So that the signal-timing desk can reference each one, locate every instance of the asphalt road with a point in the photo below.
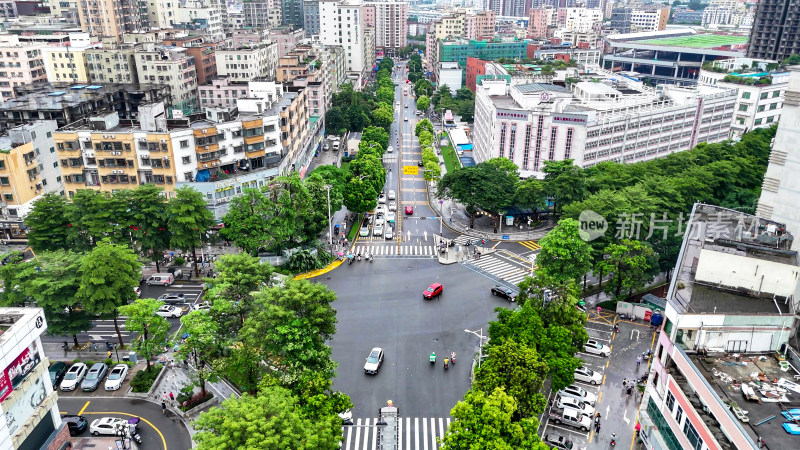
(380, 304)
(157, 431)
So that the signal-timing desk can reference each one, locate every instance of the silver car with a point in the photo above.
(374, 361)
(94, 377)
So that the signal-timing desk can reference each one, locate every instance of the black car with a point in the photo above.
(76, 424)
(558, 441)
(420, 163)
(506, 293)
(57, 371)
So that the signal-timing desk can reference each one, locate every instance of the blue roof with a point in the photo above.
(94, 87)
(80, 86)
(56, 93)
(467, 161)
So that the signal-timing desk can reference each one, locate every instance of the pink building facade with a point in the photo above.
(20, 64)
(221, 92)
(479, 26)
(537, 23)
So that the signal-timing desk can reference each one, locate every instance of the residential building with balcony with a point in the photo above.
(115, 64)
(256, 13)
(171, 66)
(221, 92)
(775, 34)
(301, 62)
(616, 119)
(731, 310)
(759, 101)
(203, 52)
(21, 63)
(311, 17)
(247, 63)
(342, 23)
(28, 169)
(639, 19)
(205, 17)
(286, 38)
(728, 13)
(67, 103)
(390, 22)
(110, 18)
(29, 403)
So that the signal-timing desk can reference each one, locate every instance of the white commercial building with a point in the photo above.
(616, 119)
(757, 105)
(29, 415)
(449, 73)
(246, 63)
(583, 20)
(728, 13)
(341, 23)
(391, 27)
(779, 192)
(202, 16)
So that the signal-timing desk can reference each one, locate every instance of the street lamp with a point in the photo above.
(330, 230)
(480, 344)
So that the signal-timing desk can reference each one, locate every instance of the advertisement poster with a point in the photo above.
(23, 409)
(13, 375)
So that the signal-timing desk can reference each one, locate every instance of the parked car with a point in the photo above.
(587, 375)
(572, 403)
(390, 216)
(392, 206)
(173, 297)
(579, 393)
(94, 377)
(381, 209)
(203, 306)
(374, 361)
(364, 231)
(558, 441)
(107, 426)
(388, 234)
(169, 311)
(570, 417)
(382, 198)
(116, 377)
(596, 347)
(377, 230)
(73, 377)
(392, 195)
(57, 371)
(502, 291)
(76, 424)
(432, 291)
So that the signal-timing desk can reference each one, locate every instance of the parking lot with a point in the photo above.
(618, 411)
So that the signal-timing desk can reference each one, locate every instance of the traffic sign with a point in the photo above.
(505, 236)
(410, 170)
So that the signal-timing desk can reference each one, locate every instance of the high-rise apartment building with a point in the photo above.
(111, 65)
(775, 34)
(311, 17)
(480, 25)
(342, 23)
(391, 28)
(292, 13)
(256, 13)
(110, 18)
(537, 23)
(244, 64)
(635, 20)
(206, 17)
(286, 38)
(20, 64)
(172, 66)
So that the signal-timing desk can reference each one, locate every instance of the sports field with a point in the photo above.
(697, 41)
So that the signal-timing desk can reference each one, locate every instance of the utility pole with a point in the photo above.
(330, 231)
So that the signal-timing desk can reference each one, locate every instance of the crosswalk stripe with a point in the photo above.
(374, 439)
(416, 435)
(425, 433)
(531, 245)
(433, 432)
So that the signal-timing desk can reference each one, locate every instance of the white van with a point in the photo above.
(161, 279)
(336, 146)
(389, 149)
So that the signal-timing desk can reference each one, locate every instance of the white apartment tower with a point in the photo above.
(342, 23)
(391, 29)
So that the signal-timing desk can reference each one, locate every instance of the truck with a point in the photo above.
(570, 417)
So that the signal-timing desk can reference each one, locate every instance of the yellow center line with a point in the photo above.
(84, 408)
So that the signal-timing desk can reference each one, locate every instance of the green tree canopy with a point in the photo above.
(49, 223)
(488, 186)
(628, 263)
(152, 328)
(383, 115)
(519, 371)
(423, 102)
(376, 134)
(564, 255)
(189, 221)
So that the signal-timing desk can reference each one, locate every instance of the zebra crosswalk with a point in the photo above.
(413, 433)
(530, 245)
(396, 250)
(499, 267)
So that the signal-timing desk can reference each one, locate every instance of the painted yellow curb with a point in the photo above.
(318, 272)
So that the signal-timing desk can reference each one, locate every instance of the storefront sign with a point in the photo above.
(16, 372)
(511, 115)
(572, 120)
(22, 410)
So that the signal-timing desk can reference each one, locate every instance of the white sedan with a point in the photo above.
(390, 216)
(116, 377)
(596, 347)
(107, 426)
(169, 311)
(588, 376)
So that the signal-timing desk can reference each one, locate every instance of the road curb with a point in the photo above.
(318, 272)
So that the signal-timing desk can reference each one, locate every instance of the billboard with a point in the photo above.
(19, 413)
(13, 375)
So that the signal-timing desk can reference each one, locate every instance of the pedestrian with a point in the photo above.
(638, 361)
(163, 408)
(598, 310)
(630, 389)
(597, 428)
(451, 220)
(624, 383)
(171, 399)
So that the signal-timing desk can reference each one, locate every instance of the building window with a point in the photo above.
(776, 94)
(693, 436)
(758, 122)
(537, 153)
(8, 197)
(502, 139)
(745, 95)
(743, 108)
(526, 150)
(761, 108)
(773, 106)
(4, 181)
(764, 95)
(770, 119)
(513, 139)
(568, 144)
(670, 401)
(679, 415)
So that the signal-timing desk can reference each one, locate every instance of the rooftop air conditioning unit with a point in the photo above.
(205, 166)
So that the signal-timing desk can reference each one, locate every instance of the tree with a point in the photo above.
(385, 95)
(238, 276)
(291, 325)
(336, 121)
(628, 265)
(151, 327)
(11, 275)
(423, 87)
(423, 125)
(466, 109)
(360, 195)
(268, 421)
(318, 211)
(108, 274)
(200, 346)
(564, 255)
(245, 223)
(92, 218)
(376, 134)
(53, 280)
(564, 182)
(423, 102)
(529, 193)
(48, 223)
(486, 421)
(425, 138)
(383, 115)
(370, 168)
(149, 213)
(465, 93)
(357, 117)
(519, 371)
(442, 97)
(189, 221)
(488, 186)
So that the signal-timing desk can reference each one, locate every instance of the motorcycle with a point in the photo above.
(453, 358)
(433, 358)
(359, 257)
(370, 257)
(446, 364)
(613, 439)
(65, 346)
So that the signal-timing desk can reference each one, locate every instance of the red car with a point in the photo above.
(433, 290)
(409, 210)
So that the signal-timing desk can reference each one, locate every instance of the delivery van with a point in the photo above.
(161, 279)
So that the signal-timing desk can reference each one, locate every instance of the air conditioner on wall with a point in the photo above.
(111, 136)
(105, 136)
(163, 141)
(206, 147)
(205, 166)
(142, 139)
